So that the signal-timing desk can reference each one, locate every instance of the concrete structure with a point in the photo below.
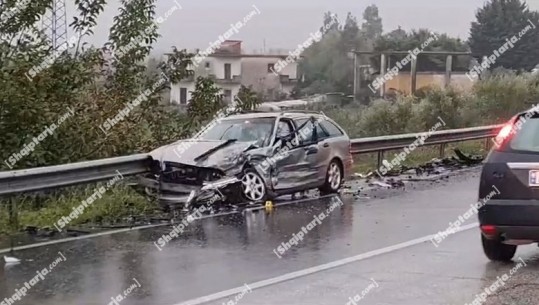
(230, 69)
(403, 81)
(411, 81)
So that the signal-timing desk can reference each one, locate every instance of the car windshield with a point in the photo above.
(243, 130)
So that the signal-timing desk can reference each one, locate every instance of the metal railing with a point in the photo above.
(51, 177)
(443, 137)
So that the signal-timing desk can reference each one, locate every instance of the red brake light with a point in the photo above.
(504, 134)
(488, 230)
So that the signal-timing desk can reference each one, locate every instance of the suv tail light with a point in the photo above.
(504, 134)
(488, 230)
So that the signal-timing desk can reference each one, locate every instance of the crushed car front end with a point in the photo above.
(180, 185)
(205, 173)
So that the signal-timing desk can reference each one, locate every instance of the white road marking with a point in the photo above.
(315, 269)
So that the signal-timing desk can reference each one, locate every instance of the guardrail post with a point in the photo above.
(487, 144)
(448, 66)
(13, 217)
(380, 158)
(442, 150)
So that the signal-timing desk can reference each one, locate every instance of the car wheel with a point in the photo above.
(495, 250)
(334, 178)
(253, 186)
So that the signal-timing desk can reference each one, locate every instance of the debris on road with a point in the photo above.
(11, 260)
(435, 169)
(396, 183)
(469, 160)
(380, 183)
(362, 176)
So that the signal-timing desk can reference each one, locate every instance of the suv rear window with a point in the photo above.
(527, 138)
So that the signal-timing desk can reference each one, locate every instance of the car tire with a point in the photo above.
(495, 250)
(334, 178)
(253, 186)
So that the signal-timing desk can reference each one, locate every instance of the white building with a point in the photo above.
(230, 69)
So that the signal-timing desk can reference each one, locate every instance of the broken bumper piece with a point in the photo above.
(215, 185)
(175, 195)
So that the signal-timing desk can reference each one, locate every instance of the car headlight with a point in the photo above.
(234, 158)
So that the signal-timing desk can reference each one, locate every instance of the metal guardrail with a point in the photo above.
(376, 144)
(443, 137)
(51, 177)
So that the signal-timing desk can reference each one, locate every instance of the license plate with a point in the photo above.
(533, 178)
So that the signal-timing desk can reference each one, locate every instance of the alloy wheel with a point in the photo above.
(334, 176)
(253, 186)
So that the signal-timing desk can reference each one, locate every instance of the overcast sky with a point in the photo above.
(285, 23)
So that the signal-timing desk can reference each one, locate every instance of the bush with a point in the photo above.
(493, 100)
(384, 117)
(444, 104)
(499, 96)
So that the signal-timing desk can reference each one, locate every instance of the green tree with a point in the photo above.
(372, 26)
(205, 101)
(246, 99)
(499, 20)
(39, 85)
(330, 22)
(350, 33)
(87, 80)
(327, 65)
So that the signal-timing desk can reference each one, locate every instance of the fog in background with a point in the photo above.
(283, 24)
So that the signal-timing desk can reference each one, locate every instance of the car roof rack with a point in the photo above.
(251, 111)
(303, 111)
(277, 109)
(299, 111)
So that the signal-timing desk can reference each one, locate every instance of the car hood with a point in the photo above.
(187, 151)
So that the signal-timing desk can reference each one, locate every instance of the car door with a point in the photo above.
(325, 153)
(332, 143)
(293, 159)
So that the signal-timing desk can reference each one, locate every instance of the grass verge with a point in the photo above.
(43, 211)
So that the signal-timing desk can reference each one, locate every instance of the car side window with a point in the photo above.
(305, 133)
(284, 128)
(333, 130)
(320, 132)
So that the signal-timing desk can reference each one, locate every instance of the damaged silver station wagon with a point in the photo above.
(250, 158)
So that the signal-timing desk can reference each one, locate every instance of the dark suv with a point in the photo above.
(510, 215)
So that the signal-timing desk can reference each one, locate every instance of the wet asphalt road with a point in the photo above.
(219, 255)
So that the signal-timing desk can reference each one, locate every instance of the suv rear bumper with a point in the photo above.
(512, 219)
(529, 234)
(510, 212)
